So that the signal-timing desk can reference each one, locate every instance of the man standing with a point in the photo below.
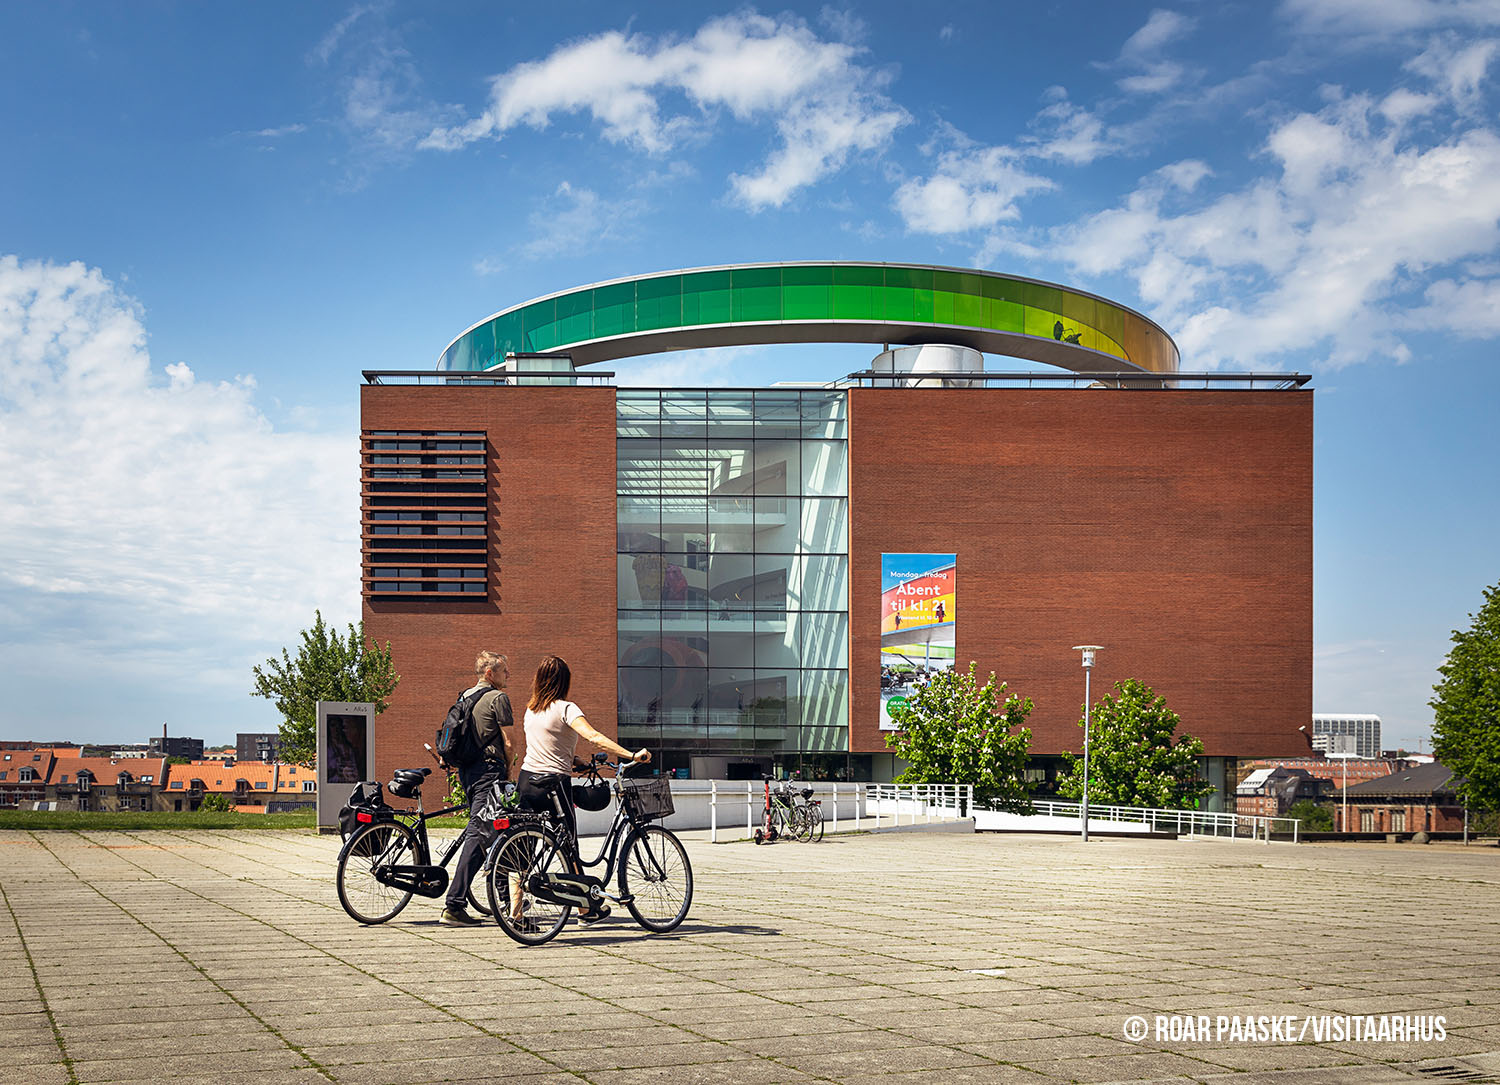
(492, 719)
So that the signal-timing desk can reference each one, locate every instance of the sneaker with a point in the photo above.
(600, 911)
(459, 917)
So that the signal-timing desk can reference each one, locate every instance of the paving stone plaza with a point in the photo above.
(886, 958)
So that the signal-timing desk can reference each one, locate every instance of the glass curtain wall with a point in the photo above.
(732, 571)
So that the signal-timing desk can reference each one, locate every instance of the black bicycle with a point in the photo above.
(387, 853)
(532, 885)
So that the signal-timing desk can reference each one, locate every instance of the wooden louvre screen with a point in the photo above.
(424, 514)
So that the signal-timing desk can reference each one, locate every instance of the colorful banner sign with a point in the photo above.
(918, 617)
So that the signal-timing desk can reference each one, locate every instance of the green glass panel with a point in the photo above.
(658, 303)
(541, 325)
(855, 293)
(820, 275)
(508, 337)
(479, 352)
(908, 294)
(807, 293)
(946, 286)
(756, 293)
(614, 309)
(705, 298)
(575, 317)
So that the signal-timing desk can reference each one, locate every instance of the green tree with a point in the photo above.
(1314, 818)
(1133, 760)
(329, 667)
(1466, 706)
(214, 801)
(954, 731)
(179, 760)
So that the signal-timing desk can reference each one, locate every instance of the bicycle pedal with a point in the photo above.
(624, 898)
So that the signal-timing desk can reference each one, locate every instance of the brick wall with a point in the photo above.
(1174, 527)
(551, 481)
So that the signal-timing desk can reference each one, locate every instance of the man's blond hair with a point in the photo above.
(488, 661)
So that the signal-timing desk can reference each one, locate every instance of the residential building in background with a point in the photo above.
(714, 562)
(190, 748)
(1365, 731)
(1270, 792)
(1421, 798)
(257, 746)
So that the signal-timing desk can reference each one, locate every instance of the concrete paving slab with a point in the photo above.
(855, 969)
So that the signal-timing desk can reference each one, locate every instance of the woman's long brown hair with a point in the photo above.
(550, 684)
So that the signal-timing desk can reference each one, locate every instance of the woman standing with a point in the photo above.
(553, 727)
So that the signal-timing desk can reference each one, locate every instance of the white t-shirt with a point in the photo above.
(550, 742)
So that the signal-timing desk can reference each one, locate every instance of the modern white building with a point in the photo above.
(1364, 729)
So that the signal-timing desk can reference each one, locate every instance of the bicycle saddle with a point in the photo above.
(404, 782)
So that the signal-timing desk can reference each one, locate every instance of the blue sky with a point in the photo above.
(212, 217)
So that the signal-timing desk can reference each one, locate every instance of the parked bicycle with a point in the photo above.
(790, 813)
(387, 855)
(533, 878)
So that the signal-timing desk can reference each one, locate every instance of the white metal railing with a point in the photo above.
(1183, 822)
(856, 806)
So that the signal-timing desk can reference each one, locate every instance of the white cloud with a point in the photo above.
(1316, 256)
(972, 189)
(1467, 308)
(1161, 29)
(652, 94)
(716, 368)
(577, 218)
(1142, 51)
(1457, 67)
(383, 106)
(151, 518)
(1387, 17)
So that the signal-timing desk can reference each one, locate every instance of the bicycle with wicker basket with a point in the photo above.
(533, 887)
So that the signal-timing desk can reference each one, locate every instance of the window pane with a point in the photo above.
(823, 468)
(684, 526)
(729, 467)
(825, 701)
(777, 467)
(777, 524)
(640, 697)
(638, 466)
(778, 414)
(825, 640)
(824, 415)
(730, 580)
(823, 528)
(637, 633)
(776, 638)
(731, 642)
(684, 701)
(639, 523)
(684, 416)
(731, 525)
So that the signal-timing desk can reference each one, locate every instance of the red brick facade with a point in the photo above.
(1174, 527)
(551, 480)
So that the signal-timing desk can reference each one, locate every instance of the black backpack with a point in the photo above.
(457, 739)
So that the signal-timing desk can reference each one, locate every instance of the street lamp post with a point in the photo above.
(1088, 651)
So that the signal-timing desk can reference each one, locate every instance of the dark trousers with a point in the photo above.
(549, 793)
(476, 780)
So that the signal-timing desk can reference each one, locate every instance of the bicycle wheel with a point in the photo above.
(518, 856)
(801, 824)
(381, 844)
(814, 820)
(656, 879)
(778, 823)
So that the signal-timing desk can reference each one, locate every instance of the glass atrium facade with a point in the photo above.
(733, 570)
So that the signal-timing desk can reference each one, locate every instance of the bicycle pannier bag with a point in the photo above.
(457, 743)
